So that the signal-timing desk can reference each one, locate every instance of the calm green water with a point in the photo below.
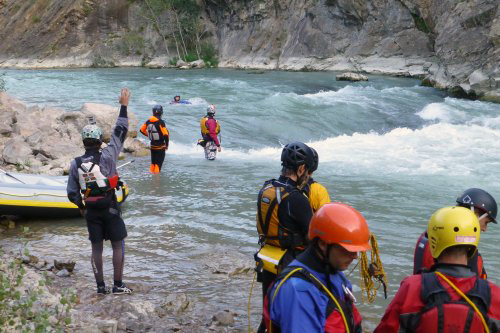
(390, 148)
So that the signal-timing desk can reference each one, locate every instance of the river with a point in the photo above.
(394, 150)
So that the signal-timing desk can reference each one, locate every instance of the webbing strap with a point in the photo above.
(467, 299)
(316, 282)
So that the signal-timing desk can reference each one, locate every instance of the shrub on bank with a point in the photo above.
(26, 305)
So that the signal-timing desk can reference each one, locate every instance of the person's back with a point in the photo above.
(283, 214)
(155, 129)
(91, 186)
(450, 298)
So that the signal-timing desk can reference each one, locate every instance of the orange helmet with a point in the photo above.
(338, 223)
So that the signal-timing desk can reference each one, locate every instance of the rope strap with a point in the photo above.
(467, 299)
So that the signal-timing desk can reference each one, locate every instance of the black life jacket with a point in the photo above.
(270, 230)
(442, 315)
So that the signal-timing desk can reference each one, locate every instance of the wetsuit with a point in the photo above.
(317, 194)
(155, 129)
(301, 305)
(423, 261)
(103, 223)
(422, 290)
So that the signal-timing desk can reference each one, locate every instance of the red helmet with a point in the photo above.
(338, 223)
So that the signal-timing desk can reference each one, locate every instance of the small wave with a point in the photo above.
(441, 112)
(438, 149)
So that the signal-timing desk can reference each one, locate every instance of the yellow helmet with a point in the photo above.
(450, 226)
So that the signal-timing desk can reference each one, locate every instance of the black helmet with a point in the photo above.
(158, 109)
(315, 160)
(479, 199)
(295, 154)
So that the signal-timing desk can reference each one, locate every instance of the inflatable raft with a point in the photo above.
(39, 196)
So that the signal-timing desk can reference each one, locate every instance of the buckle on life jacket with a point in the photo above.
(269, 258)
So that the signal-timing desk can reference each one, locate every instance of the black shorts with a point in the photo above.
(105, 224)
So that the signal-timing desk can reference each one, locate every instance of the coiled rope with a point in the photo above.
(372, 273)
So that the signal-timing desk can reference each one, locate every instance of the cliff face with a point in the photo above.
(452, 44)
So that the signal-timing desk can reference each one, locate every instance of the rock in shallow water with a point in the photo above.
(351, 77)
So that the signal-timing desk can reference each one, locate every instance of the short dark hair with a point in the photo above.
(92, 143)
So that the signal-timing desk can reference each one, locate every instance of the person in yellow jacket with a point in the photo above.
(155, 129)
(317, 193)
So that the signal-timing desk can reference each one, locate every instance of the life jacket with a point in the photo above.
(317, 194)
(442, 315)
(154, 132)
(333, 316)
(270, 230)
(204, 126)
(423, 261)
(97, 189)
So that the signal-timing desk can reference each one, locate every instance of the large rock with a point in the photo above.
(351, 77)
(107, 114)
(45, 140)
(197, 64)
(16, 151)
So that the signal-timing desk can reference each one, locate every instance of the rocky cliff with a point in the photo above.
(451, 44)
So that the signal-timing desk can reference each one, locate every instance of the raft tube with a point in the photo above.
(39, 196)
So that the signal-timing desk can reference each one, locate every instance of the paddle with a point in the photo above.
(8, 174)
(125, 164)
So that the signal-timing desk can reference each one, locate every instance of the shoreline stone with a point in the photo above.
(25, 149)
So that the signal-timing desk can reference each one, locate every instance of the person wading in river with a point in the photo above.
(485, 207)
(94, 176)
(451, 298)
(210, 129)
(154, 128)
(283, 215)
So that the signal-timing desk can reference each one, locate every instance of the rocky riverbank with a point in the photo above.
(39, 139)
(450, 45)
(50, 295)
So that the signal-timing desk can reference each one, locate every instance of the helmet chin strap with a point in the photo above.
(480, 217)
(328, 266)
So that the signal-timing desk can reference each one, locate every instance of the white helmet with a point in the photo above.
(211, 110)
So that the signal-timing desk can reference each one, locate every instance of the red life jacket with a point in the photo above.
(423, 261)
(334, 322)
(442, 315)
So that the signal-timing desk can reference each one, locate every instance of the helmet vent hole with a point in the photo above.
(475, 229)
(455, 229)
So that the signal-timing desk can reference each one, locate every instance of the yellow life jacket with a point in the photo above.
(271, 231)
(318, 196)
(204, 127)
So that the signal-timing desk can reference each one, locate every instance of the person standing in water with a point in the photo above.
(210, 129)
(92, 181)
(155, 129)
